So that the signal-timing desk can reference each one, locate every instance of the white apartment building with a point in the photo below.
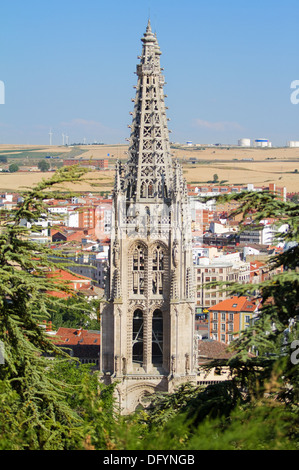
(40, 230)
(265, 234)
(223, 268)
(65, 215)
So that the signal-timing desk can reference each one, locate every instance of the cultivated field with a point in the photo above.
(232, 165)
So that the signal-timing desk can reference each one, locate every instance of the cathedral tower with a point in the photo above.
(148, 319)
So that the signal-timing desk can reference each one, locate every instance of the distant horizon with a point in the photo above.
(68, 68)
(126, 144)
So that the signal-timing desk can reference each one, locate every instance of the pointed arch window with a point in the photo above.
(157, 337)
(138, 270)
(147, 189)
(137, 337)
(158, 265)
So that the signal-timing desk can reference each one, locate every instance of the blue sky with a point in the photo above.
(69, 65)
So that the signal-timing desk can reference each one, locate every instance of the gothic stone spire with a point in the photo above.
(149, 170)
(148, 320)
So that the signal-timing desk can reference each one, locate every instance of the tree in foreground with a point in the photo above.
(58, 405)
(258, 408)
(35, 408)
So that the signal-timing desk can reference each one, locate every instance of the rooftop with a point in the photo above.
(210, 349)
(73, 336)
(235, 304)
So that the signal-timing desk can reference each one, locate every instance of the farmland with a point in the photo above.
(232, 165)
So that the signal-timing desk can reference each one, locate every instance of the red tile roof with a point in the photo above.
(209, 350)
(72, 281)
(67, 276)
(72, 336)
(234, 304)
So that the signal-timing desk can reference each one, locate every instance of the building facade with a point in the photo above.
(229, 317)
(148, 320)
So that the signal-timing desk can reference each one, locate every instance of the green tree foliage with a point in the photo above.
(257, 408)
(215, 178)
(272, 335)
(43, 165)
(58, 404)
(92, 401)
(13, 168)
(34, 411)
(71, 313)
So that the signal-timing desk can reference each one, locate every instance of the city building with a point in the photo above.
(79, 343)
(229, 317)
(69, 283)
(266, 233)
(220, 269)
(92, 264)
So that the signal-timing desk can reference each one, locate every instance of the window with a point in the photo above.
(138, 259)
(157, 338)
(138, 270)
(158, 270)
(147, 187)
(158, 259)
(137, 337)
